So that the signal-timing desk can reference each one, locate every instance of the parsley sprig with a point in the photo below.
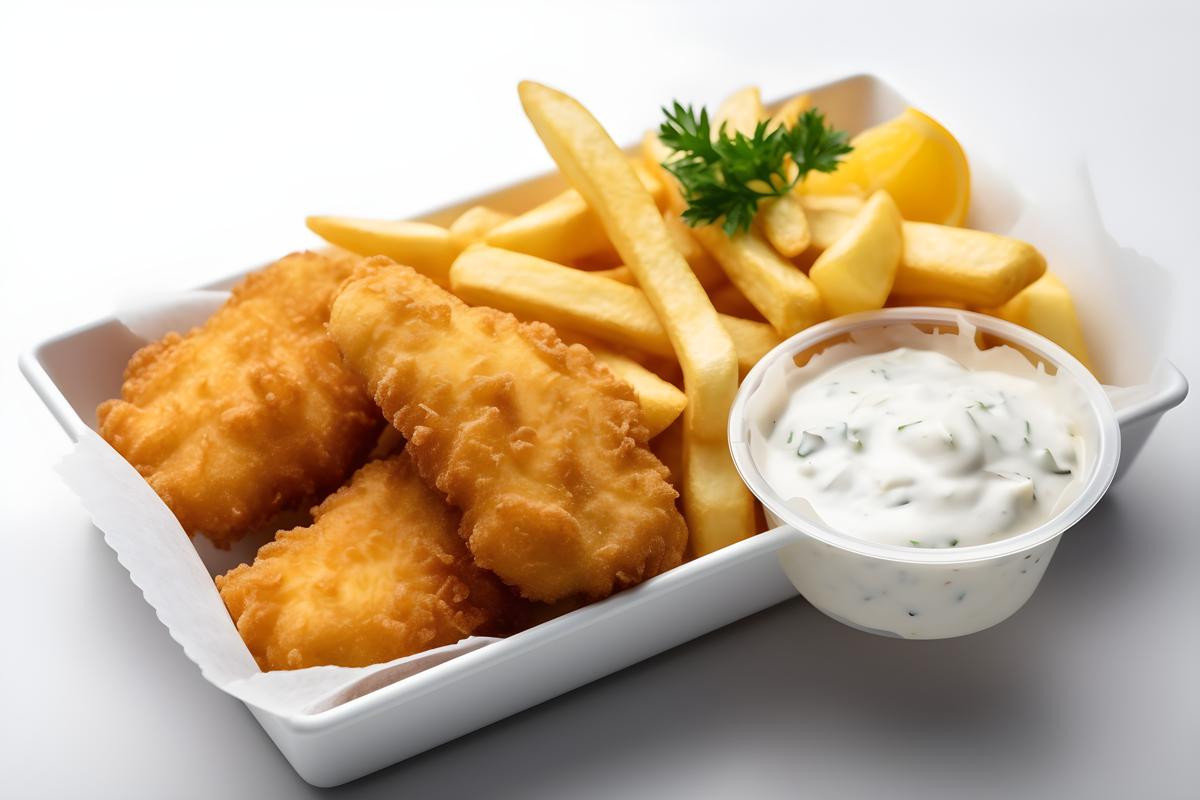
(726, 176)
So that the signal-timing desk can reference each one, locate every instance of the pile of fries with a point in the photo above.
(680, 312)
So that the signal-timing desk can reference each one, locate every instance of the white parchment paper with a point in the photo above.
(1124, 299)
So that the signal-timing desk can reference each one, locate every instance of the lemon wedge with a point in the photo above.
(915, 160)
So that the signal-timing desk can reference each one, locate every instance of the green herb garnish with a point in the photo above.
(909, 424)
(1046, 461)
(809, 444)
(726, 176)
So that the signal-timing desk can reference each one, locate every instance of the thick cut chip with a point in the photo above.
(783, 294)
(595, 166)
(730, 302)
(785, 225)
(753, 340)
(473, 225)
(975, 267)
(585, 302)
(429, 249)
(618, 274)
(939, 262)
(661, 402)
(902, 301)
(707, 271)
(740, 112)
(790, 110)
(828, 217)
(1045, 307)
(563, 229)
(777, 288)
(857, 272)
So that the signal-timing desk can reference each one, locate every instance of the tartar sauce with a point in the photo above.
(909, 447)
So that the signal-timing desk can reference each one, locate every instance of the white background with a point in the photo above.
(162, 145)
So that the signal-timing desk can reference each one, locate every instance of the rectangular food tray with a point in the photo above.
(75, 371)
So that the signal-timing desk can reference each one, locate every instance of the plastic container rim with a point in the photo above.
(1096, 484)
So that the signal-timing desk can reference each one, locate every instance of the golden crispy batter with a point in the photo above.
(381, 573)
(250, 413)
(542, 449)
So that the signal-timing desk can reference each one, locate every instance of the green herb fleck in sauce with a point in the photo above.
(809, 444)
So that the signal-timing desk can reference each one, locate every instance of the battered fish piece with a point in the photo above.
(381, 573)
(542, 449)
(253, 411)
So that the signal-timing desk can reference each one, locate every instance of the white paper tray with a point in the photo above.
(77, 370)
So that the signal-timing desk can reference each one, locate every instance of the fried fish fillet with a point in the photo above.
(381, 573)
(253, 411)
(542, 449)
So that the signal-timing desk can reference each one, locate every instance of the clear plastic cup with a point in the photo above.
(924, 593)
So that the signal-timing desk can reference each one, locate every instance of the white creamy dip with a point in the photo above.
(909, 447)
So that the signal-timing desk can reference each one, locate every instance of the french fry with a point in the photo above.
(777, 288)
(474, 223)
(718, 507)
(791, 109)
(740, 112)
(782, 219)
(828, 217)
(661, 402)
(619, 274)
(939, 262)
(857, 272)
(650, 180)
(653, 153)
(597, 262)
(1045, 307)
(563, 228)
(668, 447)
(785, 225)
(707, 271)
(666, 368)
(752, 340)
(726, 299)
(715, 504)
(975, 267)
(585, 302)
(901, 301)
(561, 296)
(426, 248)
